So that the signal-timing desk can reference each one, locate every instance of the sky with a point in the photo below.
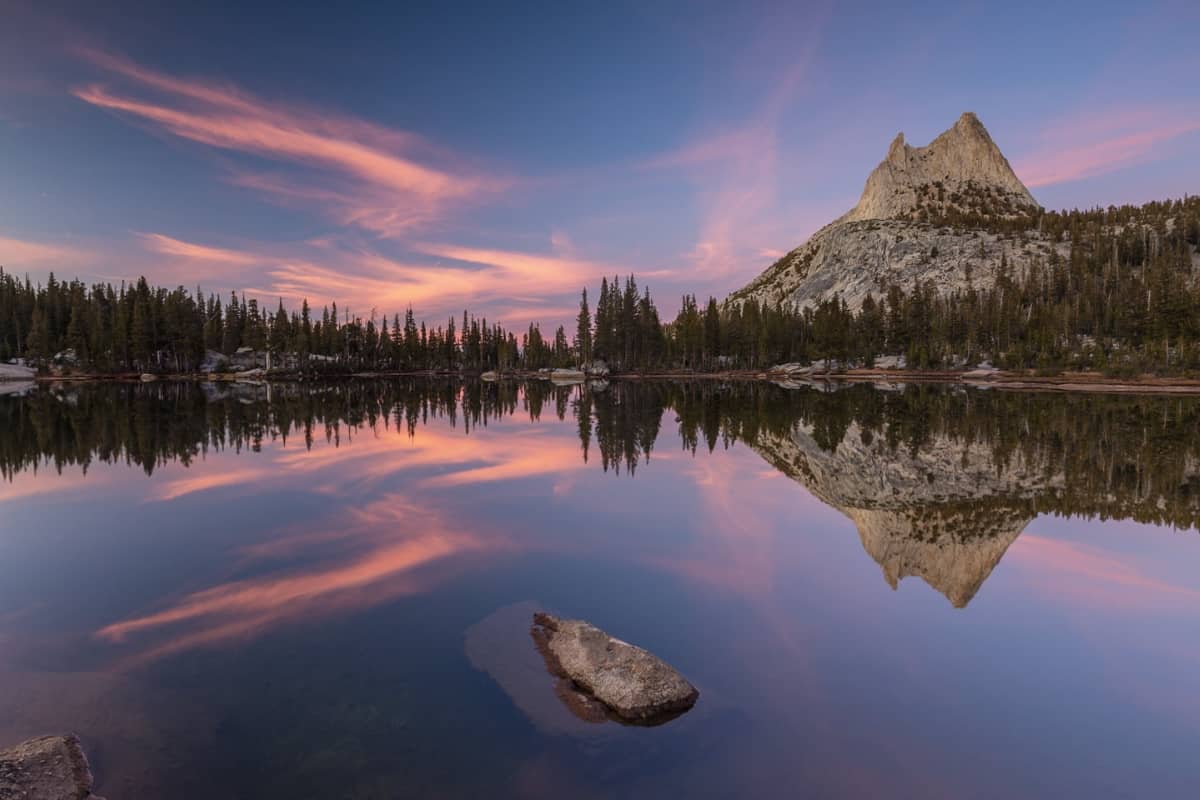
(499, 157)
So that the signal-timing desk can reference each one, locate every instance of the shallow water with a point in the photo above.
(324, 591)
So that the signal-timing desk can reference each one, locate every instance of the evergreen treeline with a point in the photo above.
(152, 329)
(1125, 298)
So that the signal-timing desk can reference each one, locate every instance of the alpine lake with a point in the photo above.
(325, 590)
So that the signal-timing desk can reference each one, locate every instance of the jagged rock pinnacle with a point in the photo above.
(926, 215)
(962, 161)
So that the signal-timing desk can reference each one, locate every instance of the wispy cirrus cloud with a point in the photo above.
(1089, 145)
(385, 180)
(737, 171)
(169, 246)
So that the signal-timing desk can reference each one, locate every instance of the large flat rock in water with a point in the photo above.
(636, 685)
(46, 768)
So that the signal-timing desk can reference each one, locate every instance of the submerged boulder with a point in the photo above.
(46, 768)
(635, 685)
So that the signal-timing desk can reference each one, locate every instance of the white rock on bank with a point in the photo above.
(16, 372)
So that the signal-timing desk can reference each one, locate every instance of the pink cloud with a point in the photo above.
(24, 254)
(1093, 145)
(379, 169)
(738, 170)
(169, 246)
(361, 279)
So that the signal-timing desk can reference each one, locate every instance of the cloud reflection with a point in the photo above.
(393, 556)
(387, 547)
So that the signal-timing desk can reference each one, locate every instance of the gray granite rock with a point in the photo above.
(46, 768)
(635, 685)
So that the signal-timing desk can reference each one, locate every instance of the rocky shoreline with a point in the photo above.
(793, 378)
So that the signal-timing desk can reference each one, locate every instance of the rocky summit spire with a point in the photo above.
(962, 168)
(929, 215)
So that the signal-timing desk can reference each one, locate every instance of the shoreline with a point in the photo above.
(999, 379)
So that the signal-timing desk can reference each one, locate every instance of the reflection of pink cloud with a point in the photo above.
(736, 549)
(394, 558)
(379, 168)
(271, 595)
(385, 549)
(1093, 145)
(478, 458)
(203, 482)
(1094, 576)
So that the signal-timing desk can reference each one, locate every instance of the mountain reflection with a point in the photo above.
(938, 481)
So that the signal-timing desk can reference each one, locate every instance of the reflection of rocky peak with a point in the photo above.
(946, 513)
(930, 544)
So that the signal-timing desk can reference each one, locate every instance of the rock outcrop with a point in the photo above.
(896, 234)
(634, 684)
(46, 768)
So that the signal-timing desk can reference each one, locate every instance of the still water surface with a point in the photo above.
(240, 592)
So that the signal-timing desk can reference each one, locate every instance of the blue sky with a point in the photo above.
(468, 155)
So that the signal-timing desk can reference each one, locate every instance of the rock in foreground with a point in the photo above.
(635, 685)
(46, 768)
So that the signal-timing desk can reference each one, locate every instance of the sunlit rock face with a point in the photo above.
(962, 160)
(887, 238)
(945, 513)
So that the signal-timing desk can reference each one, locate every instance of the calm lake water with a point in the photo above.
(234, 591)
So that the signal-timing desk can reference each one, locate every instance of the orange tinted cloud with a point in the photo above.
(1094, 145)
(178, 248)
(481, 277)
(378, 168)
(22, 254)
(360, 279)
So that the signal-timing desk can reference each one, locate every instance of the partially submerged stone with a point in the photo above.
(46, 768)
(637, 686)
(500, 645)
